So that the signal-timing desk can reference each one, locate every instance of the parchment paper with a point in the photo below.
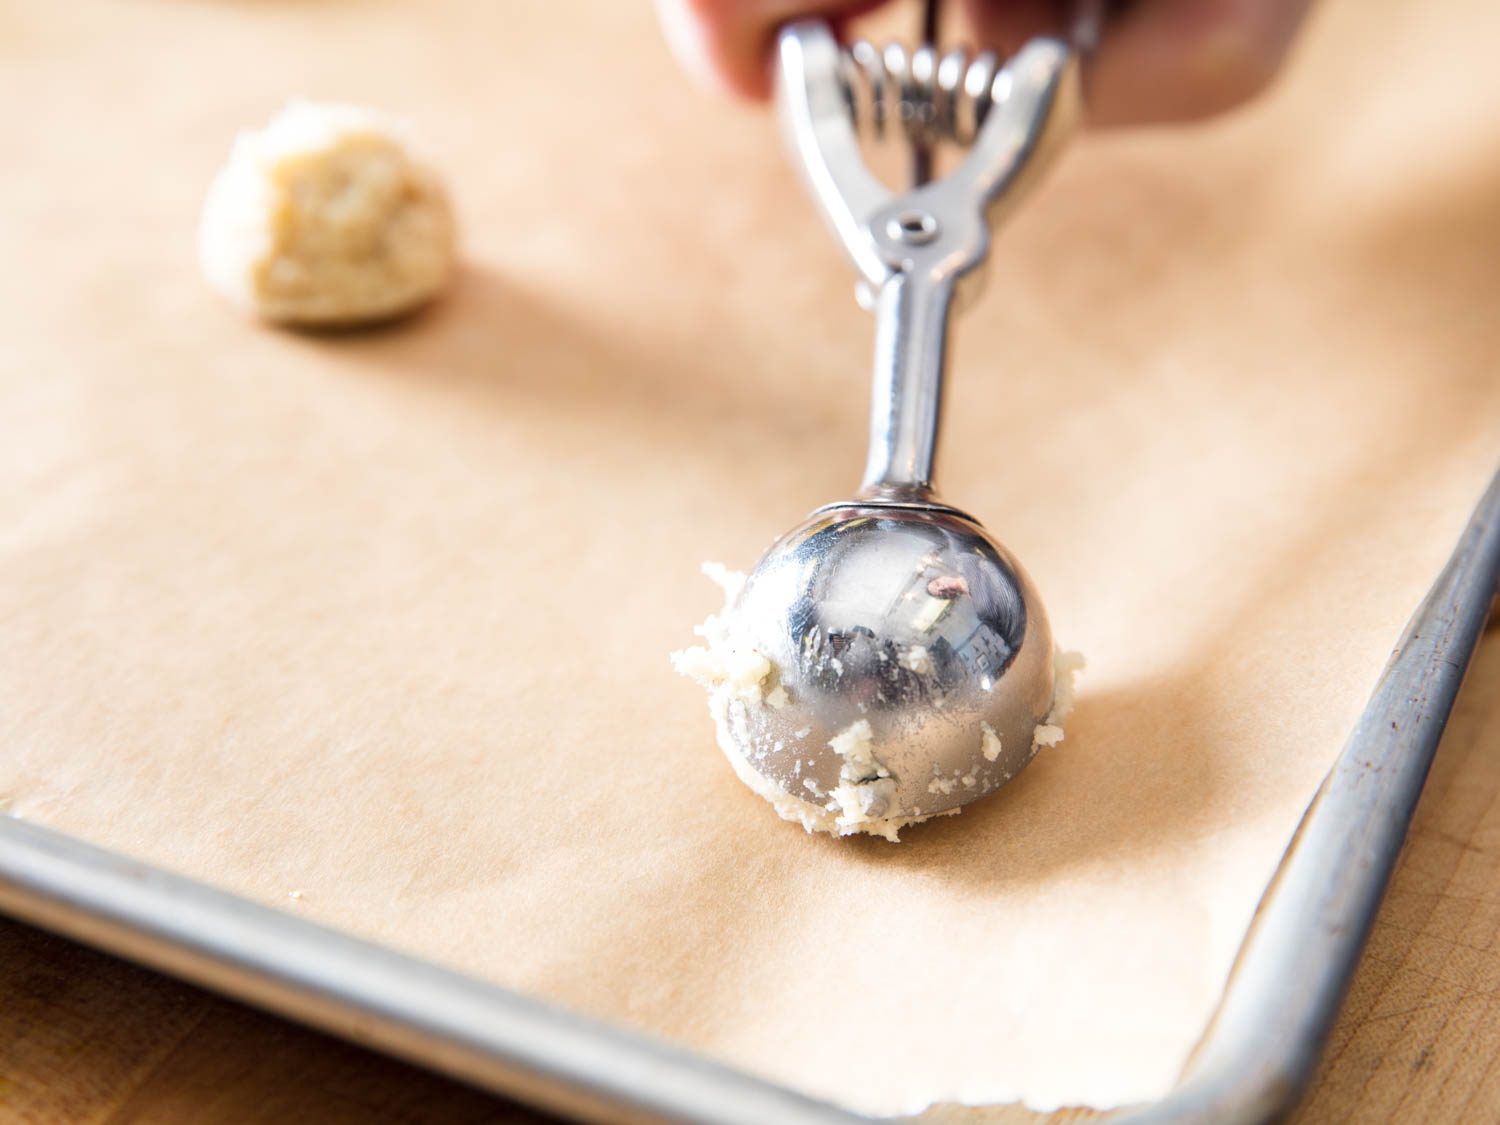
(383, 618)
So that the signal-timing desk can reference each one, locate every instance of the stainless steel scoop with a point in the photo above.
(894, 608)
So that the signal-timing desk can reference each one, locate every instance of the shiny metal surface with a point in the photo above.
(1035, 102)
(907, 615)
(918, 252)
(915, 621)
(919, 95)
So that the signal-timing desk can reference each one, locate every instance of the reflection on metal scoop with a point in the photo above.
(910, 659)
(914, 621)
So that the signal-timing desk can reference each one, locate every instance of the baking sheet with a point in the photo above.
(382, 619)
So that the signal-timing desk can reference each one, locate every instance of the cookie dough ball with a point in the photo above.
(324, 217)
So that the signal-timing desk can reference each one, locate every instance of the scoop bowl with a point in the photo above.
(912, 620)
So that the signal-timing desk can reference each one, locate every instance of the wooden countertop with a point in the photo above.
(87, 1038)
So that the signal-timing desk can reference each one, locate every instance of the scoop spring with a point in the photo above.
(919, 93)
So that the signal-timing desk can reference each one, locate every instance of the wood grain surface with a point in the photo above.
(87, 1038)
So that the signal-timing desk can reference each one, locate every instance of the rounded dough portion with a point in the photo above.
(325, 218)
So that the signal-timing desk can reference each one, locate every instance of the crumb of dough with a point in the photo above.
(1065, 669)
(989, 742)
(296, 896)
(856, 745)
(726, 665)
(916, 659)
(1046, 734)
(324, 217)
(866, 793)
(1066, 666)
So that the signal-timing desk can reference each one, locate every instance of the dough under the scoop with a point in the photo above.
(324, 217)
(739, 679)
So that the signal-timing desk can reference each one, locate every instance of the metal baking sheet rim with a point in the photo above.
(1254, 1062)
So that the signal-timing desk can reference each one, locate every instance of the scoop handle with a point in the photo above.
(919, 251)
(912, 314)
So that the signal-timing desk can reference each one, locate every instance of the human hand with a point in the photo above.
(1157, 61)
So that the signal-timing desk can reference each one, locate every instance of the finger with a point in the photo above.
(1004, 25)
(1180, 60)
(727, 44)
(1162, 60)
